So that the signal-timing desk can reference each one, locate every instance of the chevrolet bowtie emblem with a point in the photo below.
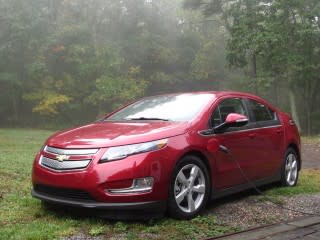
(61, 158)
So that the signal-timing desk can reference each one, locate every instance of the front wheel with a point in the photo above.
(290, 172)
(189, 189)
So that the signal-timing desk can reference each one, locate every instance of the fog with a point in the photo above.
(66, 62)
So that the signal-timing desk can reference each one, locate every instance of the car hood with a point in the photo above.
(107, 134)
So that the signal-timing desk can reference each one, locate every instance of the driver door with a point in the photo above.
(237, 141)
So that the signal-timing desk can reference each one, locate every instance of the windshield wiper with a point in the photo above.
(148, 118)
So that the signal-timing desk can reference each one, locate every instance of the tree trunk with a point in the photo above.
(276, 91)
(15, 110)
(293, 108)
(308, 119)
(252, 70)
(218, 84)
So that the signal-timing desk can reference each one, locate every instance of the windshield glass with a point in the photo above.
(183, 107)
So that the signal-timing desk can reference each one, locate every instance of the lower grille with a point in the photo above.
(65, 193)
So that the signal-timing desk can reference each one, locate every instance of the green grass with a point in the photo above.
(310, 139)
(22, 217)
(308, 183)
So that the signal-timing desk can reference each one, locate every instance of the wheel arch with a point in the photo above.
(202, 157)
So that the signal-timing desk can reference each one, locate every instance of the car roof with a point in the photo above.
(219, 94)
(216, 93)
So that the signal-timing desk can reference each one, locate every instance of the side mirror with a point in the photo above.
(232, 120)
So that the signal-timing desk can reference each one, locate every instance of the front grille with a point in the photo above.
(65, 193)
(63, 159)
(64, 165)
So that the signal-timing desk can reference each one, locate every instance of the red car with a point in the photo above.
(170, 152)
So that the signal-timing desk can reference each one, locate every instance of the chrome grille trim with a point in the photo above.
(61, 151)
(63, 165)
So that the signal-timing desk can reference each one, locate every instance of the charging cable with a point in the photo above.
(227, 151)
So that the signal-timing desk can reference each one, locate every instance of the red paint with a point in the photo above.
(107, 134)
(235, 117)
(213, 145)
(259, 152)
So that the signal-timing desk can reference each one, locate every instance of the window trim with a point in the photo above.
(239, 131)
(265, 123)
(252, 124)
(248, 126)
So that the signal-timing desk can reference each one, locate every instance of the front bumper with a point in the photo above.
(98, 178)
(133, 210)
(90, 187)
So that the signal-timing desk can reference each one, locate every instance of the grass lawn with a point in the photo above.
(22, 217)
(311, 139)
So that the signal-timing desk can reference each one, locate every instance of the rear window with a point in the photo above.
(261, 112)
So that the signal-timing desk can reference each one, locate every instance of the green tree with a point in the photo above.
(64, 62)
(276, 43)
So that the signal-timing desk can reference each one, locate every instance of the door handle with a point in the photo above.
(279, 131)
(252, 135)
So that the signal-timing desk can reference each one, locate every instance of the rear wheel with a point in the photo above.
(189, 189)
(290, 172)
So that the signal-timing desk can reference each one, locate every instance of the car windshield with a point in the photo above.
(183, 107)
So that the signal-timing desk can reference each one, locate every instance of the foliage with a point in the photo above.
(276, 43)
(47, 102)
(283, 37)
(61, 59)
(209, 63)
(115, 90)
(65, 62)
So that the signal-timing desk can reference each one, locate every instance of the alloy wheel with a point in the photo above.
(190, 188)
(291, 169)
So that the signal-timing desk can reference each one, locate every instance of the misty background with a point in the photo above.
(65, 62)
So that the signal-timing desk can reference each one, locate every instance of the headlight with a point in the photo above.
(116, 153)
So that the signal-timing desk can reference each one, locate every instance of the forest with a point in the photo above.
(67, 62)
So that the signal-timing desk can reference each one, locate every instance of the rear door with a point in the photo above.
(268, 138)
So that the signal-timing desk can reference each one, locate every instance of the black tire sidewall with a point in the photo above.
(173, 209)
(283, 169)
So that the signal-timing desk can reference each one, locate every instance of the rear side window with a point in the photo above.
(227, 106)
(261, 112)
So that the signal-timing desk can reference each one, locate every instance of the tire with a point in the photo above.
(290, 168)
(188, 195)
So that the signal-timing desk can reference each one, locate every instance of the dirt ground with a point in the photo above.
(310, 155)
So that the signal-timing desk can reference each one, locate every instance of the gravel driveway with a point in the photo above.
(311, 155)
(243, 210)
(246, 211)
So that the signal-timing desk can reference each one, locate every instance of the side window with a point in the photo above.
(230, 105)
(261, 112)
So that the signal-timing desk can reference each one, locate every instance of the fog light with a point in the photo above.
(139, 185)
